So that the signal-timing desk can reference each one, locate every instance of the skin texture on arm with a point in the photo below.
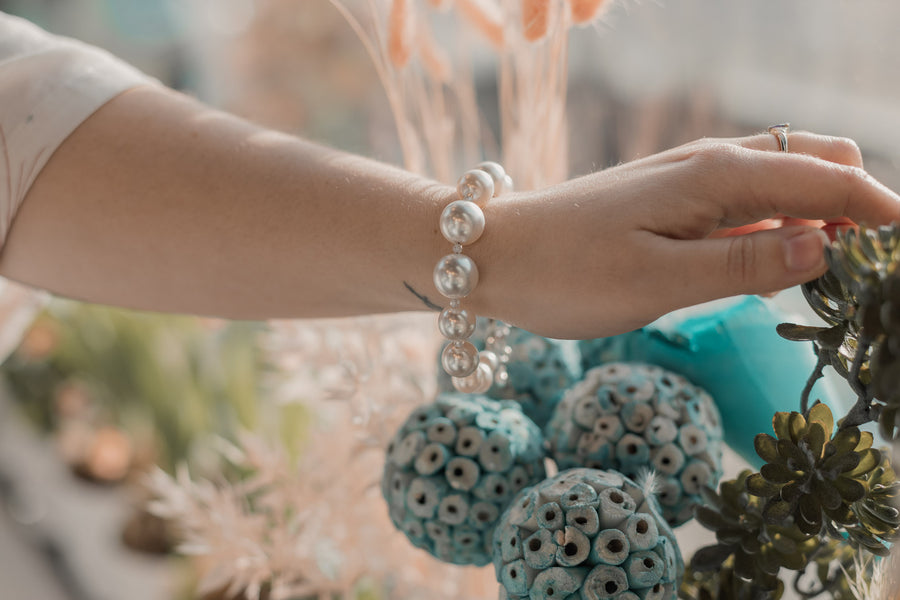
(158, 202)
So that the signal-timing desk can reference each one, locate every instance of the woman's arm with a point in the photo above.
(158, 202)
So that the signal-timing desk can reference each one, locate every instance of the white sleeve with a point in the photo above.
(48, 86)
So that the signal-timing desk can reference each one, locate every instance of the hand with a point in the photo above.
(614, 250)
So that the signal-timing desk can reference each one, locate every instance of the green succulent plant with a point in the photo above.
(832, 566)
(812, 474)
(878, 514)
(756, 547)
(724, 584)
(859, 299)
(822, 484)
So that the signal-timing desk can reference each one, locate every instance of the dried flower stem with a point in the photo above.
(818, 373)
(374, 46)
(863, 410)
(486, 17)
(533, 82)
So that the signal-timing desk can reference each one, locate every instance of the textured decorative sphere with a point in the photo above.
(539, 369)
(455, 276)
(453, 467)
(630, 417)
(586, 534)
(462, 222)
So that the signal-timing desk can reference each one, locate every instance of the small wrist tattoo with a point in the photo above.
(428, 303)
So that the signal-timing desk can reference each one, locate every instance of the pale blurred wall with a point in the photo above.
(653, 74)
(831, 66)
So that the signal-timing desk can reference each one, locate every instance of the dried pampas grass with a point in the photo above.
(586, 11)
(429, 56)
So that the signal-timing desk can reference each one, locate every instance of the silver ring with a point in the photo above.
(780, 132)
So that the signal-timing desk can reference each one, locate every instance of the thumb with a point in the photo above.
(755, 263)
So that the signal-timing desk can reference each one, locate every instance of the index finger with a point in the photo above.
(757, 185)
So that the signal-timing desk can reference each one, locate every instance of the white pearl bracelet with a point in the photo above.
(456, 275)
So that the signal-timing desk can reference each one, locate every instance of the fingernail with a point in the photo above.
(805, 251)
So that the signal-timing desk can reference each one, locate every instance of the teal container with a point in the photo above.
(729, 348)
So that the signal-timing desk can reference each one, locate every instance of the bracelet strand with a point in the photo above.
(455, 277)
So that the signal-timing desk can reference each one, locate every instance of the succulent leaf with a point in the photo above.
(777, 511)
(820, 413)
(766, 447)
(796, 426)
(710, 558)
(799, 333)
(757, 485)
(777, 473)
(780, 423)
(831, 338)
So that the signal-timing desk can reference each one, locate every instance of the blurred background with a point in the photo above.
(96, 397)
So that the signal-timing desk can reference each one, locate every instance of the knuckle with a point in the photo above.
(847, 151)
(713, 156)
(741, 260)
(853, 176)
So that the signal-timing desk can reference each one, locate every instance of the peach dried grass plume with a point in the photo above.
(535, 19)
(400, 32)
(585, 11)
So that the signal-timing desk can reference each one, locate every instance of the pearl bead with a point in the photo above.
(459, 359)
(456, 324)
(508, 185)
(455, 276)
(496, 172)
(475, 186)
(462, 222)
(477, 383)
(489, 358)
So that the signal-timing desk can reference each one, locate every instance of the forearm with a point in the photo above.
(159, 203)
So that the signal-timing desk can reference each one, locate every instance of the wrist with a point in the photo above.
(492, 255)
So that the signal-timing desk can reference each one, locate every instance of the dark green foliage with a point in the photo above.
(749, 542)
(812, 474)
(822, 485)
(859, 299)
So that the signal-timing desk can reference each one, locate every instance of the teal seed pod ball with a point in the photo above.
(632, 418)
(586, 534)
(729, 348)
(539, 370)
(452, 469)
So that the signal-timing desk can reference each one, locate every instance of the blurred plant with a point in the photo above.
(870, 578)
(302, 516)
(835, 571)
(433, 96)
(751, 547)
(380, 367)
(307, 528)
(83, 368)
